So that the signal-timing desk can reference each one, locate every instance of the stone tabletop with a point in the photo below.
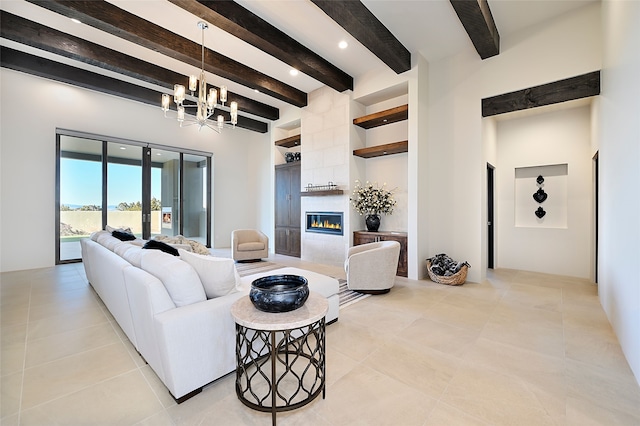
(246, 315)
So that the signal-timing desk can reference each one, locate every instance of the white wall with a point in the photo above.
(32, 108)
(564, 47)
(619, 153)
(388, 171)
(559, 243)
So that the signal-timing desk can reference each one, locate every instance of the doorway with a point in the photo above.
(490, 216)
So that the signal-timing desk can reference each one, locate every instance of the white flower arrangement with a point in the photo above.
(370, 199)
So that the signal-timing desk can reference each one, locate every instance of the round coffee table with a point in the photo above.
(280, 357)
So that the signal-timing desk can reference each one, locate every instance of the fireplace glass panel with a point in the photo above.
(325, 222)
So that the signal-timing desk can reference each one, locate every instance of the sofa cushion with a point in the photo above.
(132, 254)
(94, 235)
(218, 275)
(159, 245)
(251, 246)
(121, 248)
(108, 241)
(179, 278)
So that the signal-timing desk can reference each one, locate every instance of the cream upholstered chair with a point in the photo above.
(371, 268)
(249, 244)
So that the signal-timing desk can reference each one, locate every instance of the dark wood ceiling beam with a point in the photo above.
(354, 17)
(30, 33)
(582, 86)
(242, 23)
(46, 68)
(477, 20)
(110, 18)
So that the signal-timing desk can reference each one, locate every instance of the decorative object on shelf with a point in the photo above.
(328, 187)
(206, 104)
(373, 222)
(540, 195)
(279, 293)
(540, 212)
(290, 157)
(540, 180)
(444, 270)
(371, 200)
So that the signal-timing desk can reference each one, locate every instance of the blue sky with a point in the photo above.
(81, 183)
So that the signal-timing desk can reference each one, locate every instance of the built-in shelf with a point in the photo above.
(383, 117)
(380, 150)
(289, 142)
(320, 193)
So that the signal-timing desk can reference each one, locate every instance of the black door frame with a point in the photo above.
(490, 216)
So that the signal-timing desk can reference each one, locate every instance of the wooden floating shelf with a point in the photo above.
(289, 142)
(383, 117)
(380, 150)
(321, 193)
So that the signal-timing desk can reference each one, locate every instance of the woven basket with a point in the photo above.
(456, 279)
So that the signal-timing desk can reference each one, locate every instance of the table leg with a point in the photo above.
(274, 384)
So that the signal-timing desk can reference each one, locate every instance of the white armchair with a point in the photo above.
(371, 268)
(249, 244)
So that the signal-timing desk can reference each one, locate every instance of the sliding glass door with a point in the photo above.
(80, 185)
(124, 187)
(151, 190)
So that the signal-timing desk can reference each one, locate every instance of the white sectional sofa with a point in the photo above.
(175, 310)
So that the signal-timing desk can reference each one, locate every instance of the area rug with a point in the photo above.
(347, 297)
(250, 268)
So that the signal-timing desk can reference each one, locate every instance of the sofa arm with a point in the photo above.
(196, 343)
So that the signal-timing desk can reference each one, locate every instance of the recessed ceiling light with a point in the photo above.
(343, 44)
(122, 147)
(293, 72)
(77, 21)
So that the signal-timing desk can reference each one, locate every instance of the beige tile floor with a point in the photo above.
(519, 349)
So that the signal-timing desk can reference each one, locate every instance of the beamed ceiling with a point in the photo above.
(140, 49)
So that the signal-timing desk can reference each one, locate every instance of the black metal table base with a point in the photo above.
(280, 370)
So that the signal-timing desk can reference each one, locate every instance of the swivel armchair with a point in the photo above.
(371, 268)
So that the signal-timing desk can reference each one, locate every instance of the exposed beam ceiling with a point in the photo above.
(24, 62)
(247, 26)
(112, 19)
(363, 25)
(30, 33)
(581, 86)
(477, 20)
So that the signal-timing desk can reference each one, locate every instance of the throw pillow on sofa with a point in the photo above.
(123, 236)
(179, 278)
(110, 229)
(159, 245)
(218, 275)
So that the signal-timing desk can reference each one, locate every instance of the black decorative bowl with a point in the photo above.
(279, 293)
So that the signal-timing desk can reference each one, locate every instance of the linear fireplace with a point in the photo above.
(325, 222)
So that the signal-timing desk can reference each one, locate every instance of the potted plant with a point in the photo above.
(370, 201)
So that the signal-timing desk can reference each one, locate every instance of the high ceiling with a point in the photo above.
(428, 27)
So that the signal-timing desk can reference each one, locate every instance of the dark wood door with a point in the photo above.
(287, 205)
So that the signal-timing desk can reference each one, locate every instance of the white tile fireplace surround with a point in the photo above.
(328, 249)
(326, 153)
